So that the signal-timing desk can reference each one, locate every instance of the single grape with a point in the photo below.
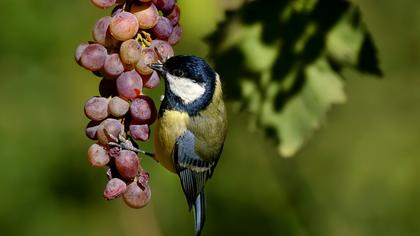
(107, 88)
(151, 81)
(175, 35)
(103, 3)
(174, 15)
(127, 164)
(165, 6)
(96, 108)
(100, 32)
(130, 51)
(91, 129)
(129, 84)
(113, 66)
(143, 110)
(93, 57)
(97, 155)
(124, 26)
(107, 128)
(163, 28)
(163, 48)
(114, 188)
(137, 197)
(79, 51)
(148, 56)
(118, 107)
(139, 132)
(147, 15)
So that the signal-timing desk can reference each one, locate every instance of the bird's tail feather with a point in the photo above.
(199, 213)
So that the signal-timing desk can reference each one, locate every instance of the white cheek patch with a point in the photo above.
(184, 88)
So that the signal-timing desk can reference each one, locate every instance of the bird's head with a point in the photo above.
(188, 79)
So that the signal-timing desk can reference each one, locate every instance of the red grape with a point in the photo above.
(91, 129)
(127, 164)
(143, 110)
(103, 3)
(139, 132)
(129, 84)
(174, 15)
(101, 33)
(163, 28)
(165, 6)
(79, 51)
(163, 48)
(175, 35)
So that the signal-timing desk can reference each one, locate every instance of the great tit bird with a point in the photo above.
(191, 126)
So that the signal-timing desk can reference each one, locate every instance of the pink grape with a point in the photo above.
(147, 15)
(148, 56)
(96, 108)
(163, 48)
(174, 15)
(91, 129)
(113, 66)
(124, 26)
(143, 110)
(127, 164)
(137, 197)
(103, 3)
(106, 128)
(130, 51)
(101, 33)
(139, 132)
(175, 35)
(151, 81)
(114, 188)
(79, 51)
(93, 57)
(97, 155)
(118, 107)
(163, 28)
(165, 6)
(129, 84)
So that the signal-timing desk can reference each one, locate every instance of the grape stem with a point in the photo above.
(125, 144)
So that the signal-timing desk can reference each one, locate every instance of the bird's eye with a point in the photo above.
(178, 73)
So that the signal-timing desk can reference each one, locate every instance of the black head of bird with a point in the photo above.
(191, 127)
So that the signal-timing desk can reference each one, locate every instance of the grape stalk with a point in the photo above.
(124, 44)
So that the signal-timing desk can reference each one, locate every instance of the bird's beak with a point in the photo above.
(160, 68)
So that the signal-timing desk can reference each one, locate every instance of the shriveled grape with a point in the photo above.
(98, 155)
(137, 197)
(114, 188)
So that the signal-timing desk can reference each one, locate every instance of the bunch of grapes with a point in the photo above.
(137, 34)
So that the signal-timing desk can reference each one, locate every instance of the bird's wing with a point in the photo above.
(192, 170)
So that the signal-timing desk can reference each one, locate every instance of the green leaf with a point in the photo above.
(282, 62)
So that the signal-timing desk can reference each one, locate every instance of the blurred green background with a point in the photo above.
(358, 175)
